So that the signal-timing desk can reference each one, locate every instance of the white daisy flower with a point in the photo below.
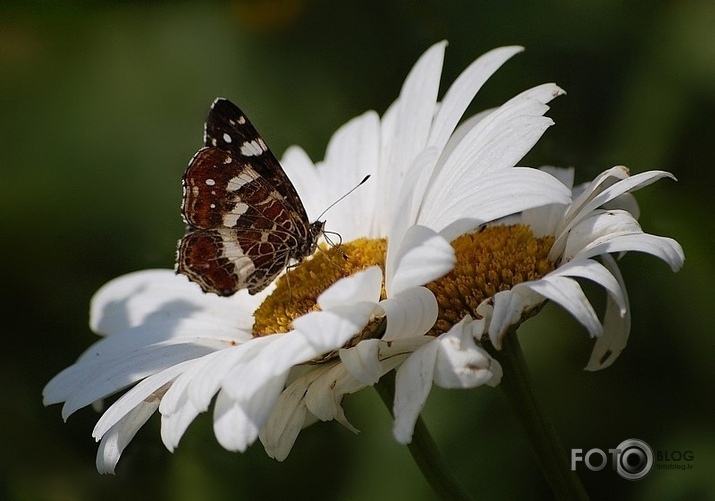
(506, 272)
(286, 357)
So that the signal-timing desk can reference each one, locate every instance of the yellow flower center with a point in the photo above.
(297, 290)
(492, 260)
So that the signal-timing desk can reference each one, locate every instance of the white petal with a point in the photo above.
(616, 327)
(506, 309)
(206, 383)
(547, 219)
(461, 132)
(664, 248)
(372, 358)
(178, 409)
(421, 257)
(362, 361)
(600, 225)
(607, 187)
(496, 142)
(568, 294)
(236, 424)
(331, 329)
(82, 384)
(475, 201)
(595, 271)
(287, 419)
(353, 153)
(410, 313)
(455, 102)
(279, 445)
(463, 89)
(306, 179)
(118, 436)
(213, 334)
(617, 231)
(416, 108)
(315, 334)
(363, 286)
(504, 136)
(275, 358)
(406, 126)
(162, 296)
(144, 391)
(628, 185)
(385, 178)
(325, 395)
(173, 426)
(413, 383)
(565, 175)
(461, 363)
(409, 197)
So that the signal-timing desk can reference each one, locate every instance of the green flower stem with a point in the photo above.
(423, 449)
(550, 454)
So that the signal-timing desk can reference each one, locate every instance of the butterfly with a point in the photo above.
(245, 220)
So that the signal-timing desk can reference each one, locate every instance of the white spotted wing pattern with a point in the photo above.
(245, 221)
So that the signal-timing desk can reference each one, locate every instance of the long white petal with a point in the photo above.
(413, 384)
(315, 334)
(236, 424)
(616, 326)
(363, 286)
(306, 179)
(353, 153)
(599, 226)
(506, 309)
(416, 108)
(422, 256)
(497, 141)
(362, 361)
(330, 329)
(409, 198)
(609, 186)
(413, 115)
(461, 363)
(665, 248)
(410, 313)
(598, 273)
(178, 407)
(206, 383)
(173, 426)
(617, 231)
(289, 416)
(83, 384)
(463, 89)
(547, 219)
(491, 197)
(144, 391)
(325, 395)
(454, 104)
(118, 436)
(190, 331)
(568, 294)
(504, 136)
(627, 185)
(161, 296)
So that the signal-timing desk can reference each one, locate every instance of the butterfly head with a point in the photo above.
(316, 229)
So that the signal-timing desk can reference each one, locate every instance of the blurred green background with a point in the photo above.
(102, 105)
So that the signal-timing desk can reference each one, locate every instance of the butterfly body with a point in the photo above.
(245, 220)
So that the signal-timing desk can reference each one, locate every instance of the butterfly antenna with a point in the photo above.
(339, 199)
(332, 244)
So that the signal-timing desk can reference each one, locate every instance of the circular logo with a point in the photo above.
(635, 460)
